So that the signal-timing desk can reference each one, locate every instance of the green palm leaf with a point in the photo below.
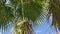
(31, 11)
(5, 14)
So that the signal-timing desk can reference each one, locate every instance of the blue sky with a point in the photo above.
(44, 28)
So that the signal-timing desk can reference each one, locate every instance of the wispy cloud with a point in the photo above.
(38, 31)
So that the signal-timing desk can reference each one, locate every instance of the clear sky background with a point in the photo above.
(44, 28)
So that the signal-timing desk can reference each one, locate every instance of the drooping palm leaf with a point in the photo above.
(5, 14)
(55, 10)
(32, 10)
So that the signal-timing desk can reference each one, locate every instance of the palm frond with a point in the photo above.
(31, 10)
(5, 14)
(55, 10)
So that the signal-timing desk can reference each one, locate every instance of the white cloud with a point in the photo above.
(0, 33)
(38, 31)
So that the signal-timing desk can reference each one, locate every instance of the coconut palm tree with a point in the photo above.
(14, 9)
